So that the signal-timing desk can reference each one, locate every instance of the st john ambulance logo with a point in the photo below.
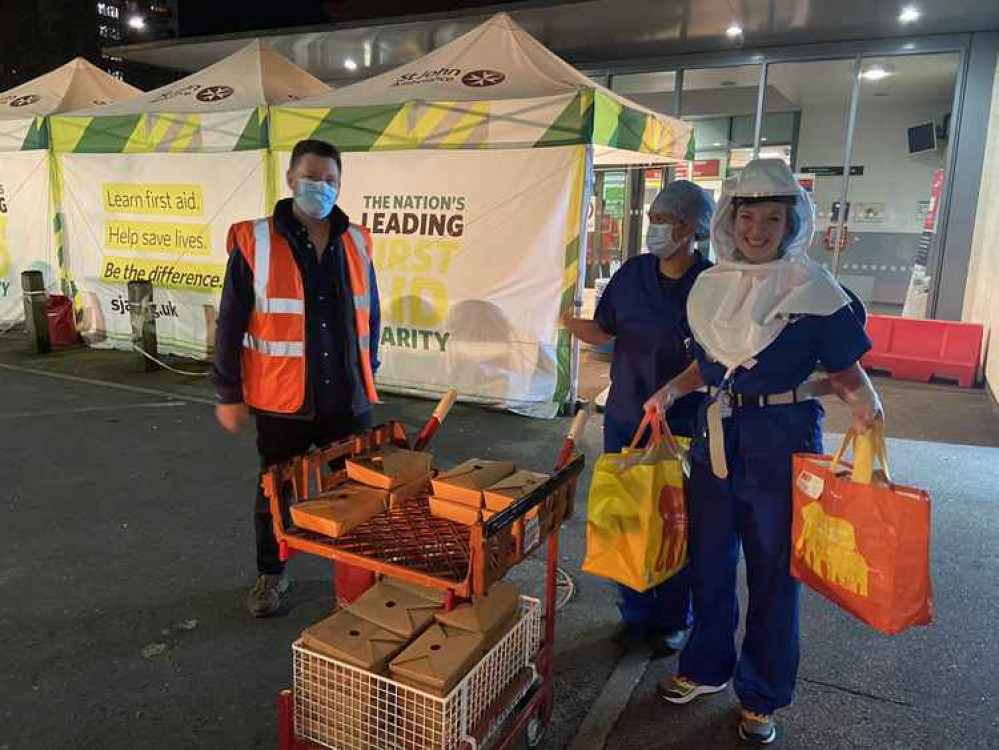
(478, 79)
(214, 93)
(24, 101)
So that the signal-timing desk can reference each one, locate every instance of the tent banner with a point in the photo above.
(627, 129)
(242, 130)
(517, 123)
(26, 238)
(23, 134)
(475, 255)
(157, 217)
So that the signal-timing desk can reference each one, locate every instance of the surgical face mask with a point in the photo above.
(659, 240)
(315, 199)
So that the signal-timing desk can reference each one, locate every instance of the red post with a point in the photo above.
(551, 589)
(286, 721)
(350, 581)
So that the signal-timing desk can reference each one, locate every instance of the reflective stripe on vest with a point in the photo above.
(274, 348)
(263, 303)
(356, 245)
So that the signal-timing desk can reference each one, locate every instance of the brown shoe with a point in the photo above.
(264, 598)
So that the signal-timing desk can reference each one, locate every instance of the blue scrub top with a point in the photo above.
(647, 315)
(834, 341)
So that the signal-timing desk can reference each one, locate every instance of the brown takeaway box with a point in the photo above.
(338, 511)
(465, 482)
(454, 511)
(508, 490)
(491, 614)
(351, 639)
(438, 659)
(399, 611)
(389, 467)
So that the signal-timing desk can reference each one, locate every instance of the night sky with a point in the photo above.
(199, 18)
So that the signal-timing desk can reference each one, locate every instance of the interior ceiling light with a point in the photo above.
(909, 14)
(733, 31)
(349, 64)
(877, 73)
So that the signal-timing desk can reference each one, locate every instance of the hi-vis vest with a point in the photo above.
(273, 361)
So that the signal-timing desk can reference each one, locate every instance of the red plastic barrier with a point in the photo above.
(913, 349)
(62, 321)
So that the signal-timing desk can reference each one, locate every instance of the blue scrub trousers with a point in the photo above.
(667, 606)
(752, 507)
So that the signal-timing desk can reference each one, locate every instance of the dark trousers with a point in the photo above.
(281, 438)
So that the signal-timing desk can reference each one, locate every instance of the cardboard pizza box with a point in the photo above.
(489, 614)
(452, 511)
(424, 592)
(389, 467)
(465, 482)
(336, 512)
(349, 638)
(506, 491)
(438, 659)
(414, 488)
(395, 609)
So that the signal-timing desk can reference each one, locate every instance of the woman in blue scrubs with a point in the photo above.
(763, 319)
(643, 310)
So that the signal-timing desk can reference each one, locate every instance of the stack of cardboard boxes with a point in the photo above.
(376, 481)
(401, 631)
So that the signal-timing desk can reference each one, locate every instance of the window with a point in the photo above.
(108, 10)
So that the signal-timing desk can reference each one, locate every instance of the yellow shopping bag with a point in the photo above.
(636, 516)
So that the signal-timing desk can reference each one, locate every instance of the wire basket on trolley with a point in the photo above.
(342, 707)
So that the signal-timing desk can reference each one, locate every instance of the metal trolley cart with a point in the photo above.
(510, 692)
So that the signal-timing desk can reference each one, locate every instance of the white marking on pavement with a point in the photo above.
(107, 384)
(612, 701)
(91, 409)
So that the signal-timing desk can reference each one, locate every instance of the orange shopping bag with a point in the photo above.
(859, 539)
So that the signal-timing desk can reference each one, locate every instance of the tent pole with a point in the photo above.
(577, 303)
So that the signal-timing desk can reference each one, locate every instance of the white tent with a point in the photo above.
(471, 167)
(28, 225)
(152, 185)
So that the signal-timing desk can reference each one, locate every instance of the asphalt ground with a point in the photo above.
(127, 551)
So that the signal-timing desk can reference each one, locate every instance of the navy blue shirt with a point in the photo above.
(334, 383)
(834, 341)
(646, 313)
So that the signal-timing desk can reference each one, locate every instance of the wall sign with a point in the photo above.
(832, 171)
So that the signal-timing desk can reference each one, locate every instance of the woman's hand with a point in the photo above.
(661, 400)
(854, 388)
(585, 330)
(866, 413)
(686, 382)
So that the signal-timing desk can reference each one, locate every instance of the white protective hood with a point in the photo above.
(737, 309)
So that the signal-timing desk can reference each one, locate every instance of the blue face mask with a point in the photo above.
(315, 199)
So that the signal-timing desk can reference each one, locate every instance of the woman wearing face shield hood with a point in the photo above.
(763, 320)
(643, 310)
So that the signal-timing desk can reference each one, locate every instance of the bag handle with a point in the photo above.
(661, 433)
(869, 449)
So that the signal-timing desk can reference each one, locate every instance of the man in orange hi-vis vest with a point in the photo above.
(296, 342)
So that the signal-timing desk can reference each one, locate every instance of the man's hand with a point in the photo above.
(232, 417)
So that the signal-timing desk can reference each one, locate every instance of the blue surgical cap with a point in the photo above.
(689, 203)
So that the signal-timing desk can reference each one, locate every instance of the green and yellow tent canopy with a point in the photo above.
(222, 108)
(494, 87)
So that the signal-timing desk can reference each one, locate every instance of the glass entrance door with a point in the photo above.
(607, 225)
